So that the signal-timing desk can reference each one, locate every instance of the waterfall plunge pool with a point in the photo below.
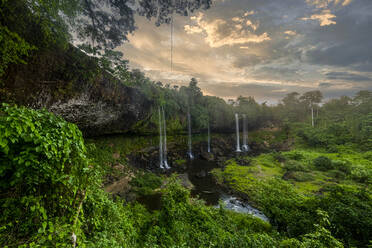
(198, 172)
(206, 188)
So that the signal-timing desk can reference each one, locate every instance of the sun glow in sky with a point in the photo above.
(262, 48)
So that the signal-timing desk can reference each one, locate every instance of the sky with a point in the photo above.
(261, 48)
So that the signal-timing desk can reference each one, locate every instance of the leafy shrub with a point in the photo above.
(279, 157)
(336, 174)
(335, 134)
(292, 165)
(368, 155)
(332, 149)
(301, 176)
(323, 163)
(350, 212)
(295, 155)
(43, 175)
(361, 174)
(339, 133)
(180, 162)
(146, 183)
(313, 137)
(343, 166)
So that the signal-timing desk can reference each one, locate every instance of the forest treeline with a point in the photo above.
(323, 122)
(29, 29)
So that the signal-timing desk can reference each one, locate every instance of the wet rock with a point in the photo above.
(207, 156)
(185, 181)
(201, 174)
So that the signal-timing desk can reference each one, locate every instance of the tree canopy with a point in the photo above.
(99, 25)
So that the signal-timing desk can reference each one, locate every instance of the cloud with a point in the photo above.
(290, 32)
(220, 32)
(326, 3)
(249, 23)
(237, 19)
(247, 60)
(346, 2)
(226, 49)
(248, 13)
(193, 29)
(324, 18)
(346, 76)
(325, 85)
(348, 45)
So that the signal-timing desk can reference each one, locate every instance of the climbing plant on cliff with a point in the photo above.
(44, 173)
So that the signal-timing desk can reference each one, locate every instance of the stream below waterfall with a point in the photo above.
(205, 187)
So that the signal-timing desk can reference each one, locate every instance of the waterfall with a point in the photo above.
(209, 138)
(161, 161)
(189, 142)
(237, 133)
(245, 146)
(165, 162)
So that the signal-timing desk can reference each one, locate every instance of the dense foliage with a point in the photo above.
(338, 121)
(290, 187)
(315, 195)
(43, 175)
(49, 184)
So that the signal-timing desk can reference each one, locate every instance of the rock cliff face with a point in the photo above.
(70, 84)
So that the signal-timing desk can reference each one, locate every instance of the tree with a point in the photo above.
(13, 49)
(100, 25)
(310, 99)
(107, 23)
(193, 92)
(291, 99)
(291, 109)
(249, 106)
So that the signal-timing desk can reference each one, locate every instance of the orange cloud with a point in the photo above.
(321, 4)
(324, 18)
(290, 32)
(220, 33)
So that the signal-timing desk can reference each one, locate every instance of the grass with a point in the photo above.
(351, 167)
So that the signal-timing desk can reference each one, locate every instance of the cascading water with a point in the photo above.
(209, 139)
(161, 161)
(165, 161)
(245, 146)
(189, 141)
(237, 133)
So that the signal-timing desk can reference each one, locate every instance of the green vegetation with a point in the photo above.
(44, 176)
(50, 184)
(53, 183)
(316, 193)
(289, 187)
(146, 183)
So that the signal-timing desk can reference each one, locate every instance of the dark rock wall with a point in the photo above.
(70, 84)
